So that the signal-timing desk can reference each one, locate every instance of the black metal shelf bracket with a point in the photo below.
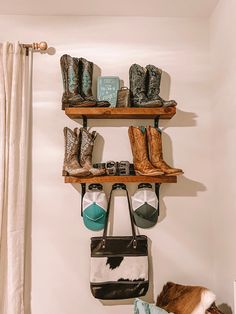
(85, 121)
(83, 191)
(156, 121)
(157, 191)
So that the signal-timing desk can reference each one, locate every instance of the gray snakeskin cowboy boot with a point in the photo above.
(138, 88)
(71, 166)
(154, 82)
(86, 78)
(86, 151)
(69, 70)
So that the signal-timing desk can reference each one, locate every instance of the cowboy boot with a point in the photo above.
(86, 78)
(154, 82)
(138, 141)
(71, 166)
(69, 70)
(138, 87)
(86, 151)
(155, 152)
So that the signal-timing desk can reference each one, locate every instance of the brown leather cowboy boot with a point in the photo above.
(86, 151)
(86, 78)
(70, 76)
(71, 166)
(138, 141)
(155, 152)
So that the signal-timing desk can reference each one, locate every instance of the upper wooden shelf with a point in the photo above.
(121, 179)
(120, 113)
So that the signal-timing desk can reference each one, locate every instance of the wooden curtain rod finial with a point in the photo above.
(40, 46)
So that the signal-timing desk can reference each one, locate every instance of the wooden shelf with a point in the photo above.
(120, 113)
(121, 179)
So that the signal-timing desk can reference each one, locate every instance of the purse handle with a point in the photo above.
(115, 187)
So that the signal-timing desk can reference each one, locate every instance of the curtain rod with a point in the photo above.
(42, 46)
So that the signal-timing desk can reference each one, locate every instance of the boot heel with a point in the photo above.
(65, 173)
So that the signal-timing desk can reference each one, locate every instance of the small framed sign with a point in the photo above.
(107, 87)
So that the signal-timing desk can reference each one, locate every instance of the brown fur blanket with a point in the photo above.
(180, 299)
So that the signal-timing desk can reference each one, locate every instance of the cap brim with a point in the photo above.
(145, 223)
(94, 225)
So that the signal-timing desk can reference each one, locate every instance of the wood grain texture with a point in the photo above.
(121, 113)
(121, 179)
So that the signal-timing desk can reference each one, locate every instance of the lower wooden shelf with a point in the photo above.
(121, 179)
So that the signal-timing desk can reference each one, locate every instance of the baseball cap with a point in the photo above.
(95, 207)
(145, 206)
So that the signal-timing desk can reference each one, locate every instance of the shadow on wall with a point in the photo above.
(181, 119)
(50, 51)
(184, 187)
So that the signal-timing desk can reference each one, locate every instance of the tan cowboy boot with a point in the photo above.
(71, 166)
(155, 152)
(86, 151)
(138, 141)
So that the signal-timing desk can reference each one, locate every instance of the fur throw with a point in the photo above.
(181, 299)
(214, 310)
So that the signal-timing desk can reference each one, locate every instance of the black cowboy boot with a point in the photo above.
(86, 77)
(69, 70)
(154, 81)
(138, 87)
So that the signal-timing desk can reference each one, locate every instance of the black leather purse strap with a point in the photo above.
(115, 187)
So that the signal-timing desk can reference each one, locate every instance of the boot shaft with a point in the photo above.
(86, 152)
(70, 74)
(71, 145)
(154, 81)
(138, 81)
(154, 144)
(156, 154)
(138, 140)
(86, 77)
(86, 147)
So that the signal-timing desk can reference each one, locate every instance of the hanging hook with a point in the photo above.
(156, 121)
(83, 190)
(157, 191)
(85, 121)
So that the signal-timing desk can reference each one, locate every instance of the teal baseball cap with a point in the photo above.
(94, 208)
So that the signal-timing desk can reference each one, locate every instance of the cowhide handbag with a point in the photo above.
(119, 264)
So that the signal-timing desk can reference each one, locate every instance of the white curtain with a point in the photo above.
(15, 115)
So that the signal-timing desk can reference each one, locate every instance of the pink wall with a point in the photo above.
(182, 240)
(223, 57)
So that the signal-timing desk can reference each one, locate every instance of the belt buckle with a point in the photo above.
(111, 168)
(123, 168)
